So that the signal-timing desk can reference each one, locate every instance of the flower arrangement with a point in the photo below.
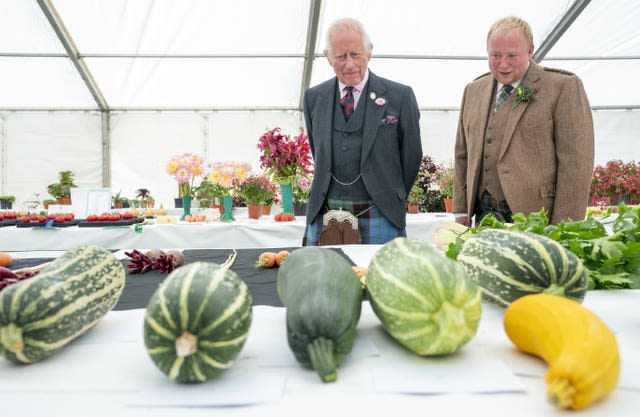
(445, 180)
(185, 168)
(427, 180)
(614, 182)
(255, 190)
(283, 157)
(227, 174)
(208, 193)
(301, 189)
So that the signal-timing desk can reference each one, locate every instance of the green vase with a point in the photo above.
(186, 206)
(287, 198)
(227, 215)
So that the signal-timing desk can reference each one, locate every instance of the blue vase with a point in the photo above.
(227, 215)
(186, 206)
(287, 198)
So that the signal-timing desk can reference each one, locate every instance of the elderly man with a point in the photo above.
(365, 140)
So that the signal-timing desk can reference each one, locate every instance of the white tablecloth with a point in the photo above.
(242, 233)
(108, 373)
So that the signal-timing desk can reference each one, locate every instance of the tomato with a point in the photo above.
(26, 219)
(42, 218)
(127, 215)
(59, 218)
(92, 218)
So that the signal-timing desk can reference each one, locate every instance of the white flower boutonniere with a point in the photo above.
(524, 94)
(372, 95)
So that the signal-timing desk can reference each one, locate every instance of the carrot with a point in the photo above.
(266, 260)
(281, 257)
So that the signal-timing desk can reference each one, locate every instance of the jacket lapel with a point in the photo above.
(484, 105)
(325, 108)
(531, 78)
(373, 115)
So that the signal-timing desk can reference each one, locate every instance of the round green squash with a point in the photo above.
(509, 264)
(197, 322)
(323, 299)
(424, 300)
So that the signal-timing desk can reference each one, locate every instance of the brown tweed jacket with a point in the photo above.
(547, 155)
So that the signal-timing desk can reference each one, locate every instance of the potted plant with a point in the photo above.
(144, 196)
(6, 201)
(427, 179)
(415, 199)
(207, 193)
(445, 184)
(615, 182)
(47, 202)
(119, 201)
(61, 190)
(227, 175)
(255, 192)
(301, 195)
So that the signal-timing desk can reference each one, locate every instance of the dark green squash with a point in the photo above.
(323, 297)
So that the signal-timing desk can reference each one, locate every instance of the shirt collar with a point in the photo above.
(358, 87)
(514, 84)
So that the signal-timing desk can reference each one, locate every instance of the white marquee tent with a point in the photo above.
(112, 89)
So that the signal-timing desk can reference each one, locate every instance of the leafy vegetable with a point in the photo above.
(609, 247)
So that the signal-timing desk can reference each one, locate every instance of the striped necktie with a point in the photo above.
(503, 94)
(347, 103)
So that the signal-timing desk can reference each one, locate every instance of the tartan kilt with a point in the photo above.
(374, 227)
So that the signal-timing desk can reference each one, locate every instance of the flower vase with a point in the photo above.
(287, 198)
(227, 215)
(186, 206)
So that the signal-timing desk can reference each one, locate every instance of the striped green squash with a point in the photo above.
(424, 300)
(509, 264)
(41, 315)
(197, 321)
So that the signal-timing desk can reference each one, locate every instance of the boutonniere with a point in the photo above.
(524, 94)
(380, 101)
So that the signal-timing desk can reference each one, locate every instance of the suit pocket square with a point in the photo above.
(389, 120)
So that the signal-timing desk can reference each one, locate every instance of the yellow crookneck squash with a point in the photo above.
(581, 351)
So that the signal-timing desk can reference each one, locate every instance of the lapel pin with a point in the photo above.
(372, 96)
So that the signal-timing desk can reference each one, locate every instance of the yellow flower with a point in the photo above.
(172, 165)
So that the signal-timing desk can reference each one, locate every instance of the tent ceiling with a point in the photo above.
(213, 54)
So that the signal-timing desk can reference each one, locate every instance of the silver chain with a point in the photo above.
(345, 183)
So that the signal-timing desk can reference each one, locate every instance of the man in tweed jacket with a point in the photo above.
(536, 149)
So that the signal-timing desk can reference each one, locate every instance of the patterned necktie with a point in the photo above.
(347, 103)
(503, 94)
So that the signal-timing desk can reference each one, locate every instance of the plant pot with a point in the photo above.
(300, 209)
(448, 205)
(177, 202)
(413, 208)
(6, 204)
(254, 211)
(65, 201)
(266, 210)
(117, 205)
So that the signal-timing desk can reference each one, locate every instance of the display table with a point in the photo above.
(108, 373)
(242, 233)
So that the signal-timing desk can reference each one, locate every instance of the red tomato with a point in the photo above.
(127, 215)
(92, 218)
(26, 219)
(42, 218)
(59, 218)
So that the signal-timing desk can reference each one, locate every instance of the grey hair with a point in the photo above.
(352, 24)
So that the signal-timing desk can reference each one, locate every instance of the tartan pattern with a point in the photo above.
(503, 94)
(374, 227)
(347, 103)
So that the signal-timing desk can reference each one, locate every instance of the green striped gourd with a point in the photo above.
(197, 321)
(40, 315)
(509, 264)
(424, 300)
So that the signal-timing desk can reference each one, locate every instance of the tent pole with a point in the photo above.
(106, 148)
